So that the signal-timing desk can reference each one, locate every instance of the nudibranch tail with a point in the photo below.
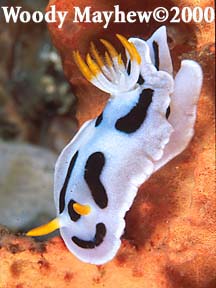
(113, 63)
(109, 73)
(45, 229)
(134, 55)
(82, 66)
(96, 55)
(92, 65)
(108, 59)
(111, 49)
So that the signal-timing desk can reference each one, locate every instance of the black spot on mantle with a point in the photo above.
(129, 67)
(93, 169)
(140, 80)
(98, 238)
(168, 112)
(156, 54)
(134, 119)
(99, 120)
(64, 187)
(72, 213)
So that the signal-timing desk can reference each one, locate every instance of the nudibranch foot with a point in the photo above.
(188, 82)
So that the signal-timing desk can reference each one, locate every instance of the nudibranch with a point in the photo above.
(148, 120)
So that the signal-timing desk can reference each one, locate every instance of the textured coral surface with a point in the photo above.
(170, 237)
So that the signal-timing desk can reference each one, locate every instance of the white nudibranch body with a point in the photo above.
(148, 120)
